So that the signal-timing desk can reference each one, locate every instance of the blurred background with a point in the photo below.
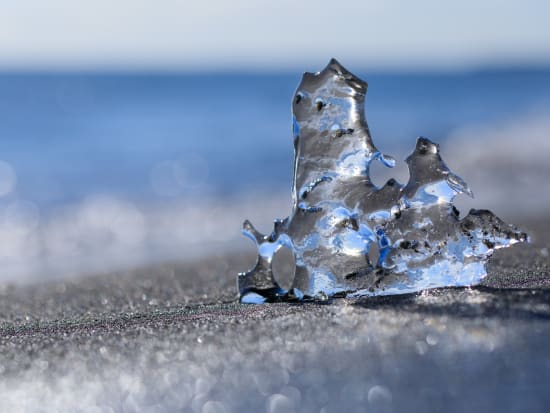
(133, 132)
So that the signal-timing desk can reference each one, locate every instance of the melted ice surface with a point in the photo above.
(352, 238)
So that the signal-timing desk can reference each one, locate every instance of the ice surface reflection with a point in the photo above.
(349, 236)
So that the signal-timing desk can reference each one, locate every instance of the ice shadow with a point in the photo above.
(478, 302)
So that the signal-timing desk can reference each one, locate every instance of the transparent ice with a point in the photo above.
(347, 236)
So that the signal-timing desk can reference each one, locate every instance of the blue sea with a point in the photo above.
(102, 171)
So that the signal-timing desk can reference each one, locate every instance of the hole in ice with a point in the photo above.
(380, 174)
(374, 254)
(283, 266)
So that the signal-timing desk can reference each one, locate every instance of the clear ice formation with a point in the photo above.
(351, 238)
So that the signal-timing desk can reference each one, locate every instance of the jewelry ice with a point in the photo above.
(340, 219)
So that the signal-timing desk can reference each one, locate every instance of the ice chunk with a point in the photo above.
(349, 237)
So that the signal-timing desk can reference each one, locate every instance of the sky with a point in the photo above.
(282, 34)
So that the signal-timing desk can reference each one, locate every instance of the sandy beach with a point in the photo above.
(138, 139)
(172, 338)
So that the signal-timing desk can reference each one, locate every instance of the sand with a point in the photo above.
(172, 338)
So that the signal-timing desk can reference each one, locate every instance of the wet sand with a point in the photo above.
(172, 338)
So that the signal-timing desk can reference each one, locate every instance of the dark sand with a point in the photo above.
(171, 338)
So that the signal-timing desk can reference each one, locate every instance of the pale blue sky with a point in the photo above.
(282, 34)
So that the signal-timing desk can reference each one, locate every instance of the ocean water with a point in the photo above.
(103, 171)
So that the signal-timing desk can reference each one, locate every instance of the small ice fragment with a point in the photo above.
(252, 298)
(349, 237)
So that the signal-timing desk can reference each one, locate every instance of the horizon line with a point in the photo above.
(210, 69)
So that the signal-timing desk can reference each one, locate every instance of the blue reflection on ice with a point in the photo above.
(340, 217)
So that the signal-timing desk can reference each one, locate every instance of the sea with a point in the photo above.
(108, 171)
